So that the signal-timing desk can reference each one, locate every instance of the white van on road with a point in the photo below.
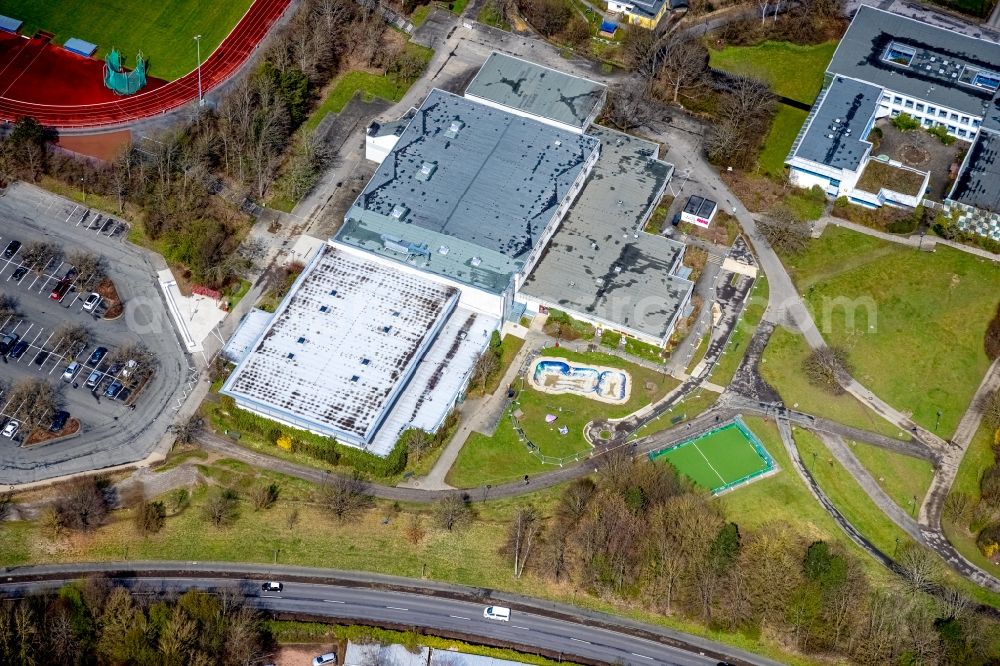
(497, 613)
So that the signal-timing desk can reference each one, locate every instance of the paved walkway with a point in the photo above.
(925, 242)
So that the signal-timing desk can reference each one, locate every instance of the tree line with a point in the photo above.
(639, 533)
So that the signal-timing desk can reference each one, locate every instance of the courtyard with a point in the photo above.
(920, 150)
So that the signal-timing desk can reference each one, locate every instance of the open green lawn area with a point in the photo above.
(792, 70)
(732, 355)
(912, 321)
(784, 128)
(388, 87)
(504, 457)
(781, 367)
(717, 459)
(164, 31)
(686, 409)
(901, 477)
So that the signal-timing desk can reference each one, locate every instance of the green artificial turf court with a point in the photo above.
(163, 30)
(721, 458)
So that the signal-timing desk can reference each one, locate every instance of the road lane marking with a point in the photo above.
(332, 601)
(517, 626)
(579, 640)
(397, 608)
(458, 617)
(641, 656)
(270, 596)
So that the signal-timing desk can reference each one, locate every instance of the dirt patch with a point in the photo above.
(757, 194)
(104, 146)
(300, 655)
(106, 288)
(43, 435)
(914, 155)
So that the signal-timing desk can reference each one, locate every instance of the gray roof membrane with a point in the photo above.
(597, 263)
(929, 63)
(467, 192)
(538, 90)
(699, 206)
(836, 136)
(979, 183)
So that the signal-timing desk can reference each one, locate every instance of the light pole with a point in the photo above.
(197, 41)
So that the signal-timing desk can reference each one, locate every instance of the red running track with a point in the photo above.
(217, 68)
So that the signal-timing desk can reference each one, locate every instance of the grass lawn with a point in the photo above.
(509, 347)
(504, 457)
(901, 477)
(781, 367)
(164, 31)
(643, 350)
(345, 86)
(784, 128)
(488, 15)
(420, 14)
(807, 205)
(919, 319)
(727, 364)
(688, 408)
(793, 71)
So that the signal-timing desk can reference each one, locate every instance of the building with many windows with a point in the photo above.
(887, 65)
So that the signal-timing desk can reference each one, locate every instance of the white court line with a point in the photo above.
(695, 445)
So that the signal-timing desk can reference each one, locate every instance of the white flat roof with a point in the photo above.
(341, 346)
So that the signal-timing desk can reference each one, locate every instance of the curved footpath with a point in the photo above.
(544, 627)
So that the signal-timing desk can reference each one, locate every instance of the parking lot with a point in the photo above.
(127, 404)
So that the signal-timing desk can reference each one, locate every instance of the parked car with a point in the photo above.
(70, 372)
(92, 302)
(130, 366)
(11, 428)
(12, 248)
(7, 341)
(94, 379)
(59, 421)
(41, 357)
(18, 273)
(272, 586)
(98, 354)
(17, 351)
(323, 659)
(113, 389)
(61, 289)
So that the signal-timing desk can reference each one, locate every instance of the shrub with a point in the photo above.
(904, 122)
(989, 486)
(992, 340)
(942, 134)
(989, 540)
(150, 517)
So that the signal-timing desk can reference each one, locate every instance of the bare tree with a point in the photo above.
(70, 339)
(628, 107)
(90, 268)
(8, 307)
(32, 401)
(417, 442)
(39, 254)
(784, 232)
(345, 496)
(185, 431)
(222, 507)
(684, 66)
(919, 568)
(827, 367)
(136, 360)
(415, 531)
(522, 535)
(84, 505)
(991, 409)
(453, 511)
(6, 504)
(149, 517)
(264, 496)
(487, 364)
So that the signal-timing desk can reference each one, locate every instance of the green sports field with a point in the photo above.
(163, 30)
(718, 458)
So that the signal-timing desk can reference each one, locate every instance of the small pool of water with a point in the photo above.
(557, 376)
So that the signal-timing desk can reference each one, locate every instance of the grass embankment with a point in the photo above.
(504, 457)
(792, 70)
(509, 347)
(686, 409)
(163, 31)
(902, 477)
(781, 367)
(784, 128)
(727, 364)
(913, 322)
(977, 458)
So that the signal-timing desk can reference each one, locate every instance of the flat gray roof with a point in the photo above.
(597, 264)
(467, 191)
(537, 90)
(917, 59)
(699, 206)
(342, 345)
(979, 183)
(837, 133)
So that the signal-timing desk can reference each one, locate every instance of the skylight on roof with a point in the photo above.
(980, 78)
(898, 54)
(399, 212)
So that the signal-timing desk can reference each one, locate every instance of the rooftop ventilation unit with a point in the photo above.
(444, 250)
(453, 129)
(475, 261)
(399, 212)
(427, 170)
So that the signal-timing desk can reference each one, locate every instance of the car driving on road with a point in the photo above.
(497, 613)
(272, 586)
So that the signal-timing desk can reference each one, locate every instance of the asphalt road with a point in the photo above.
(451, 611)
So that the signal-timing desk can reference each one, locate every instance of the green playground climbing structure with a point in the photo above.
(121, 80)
